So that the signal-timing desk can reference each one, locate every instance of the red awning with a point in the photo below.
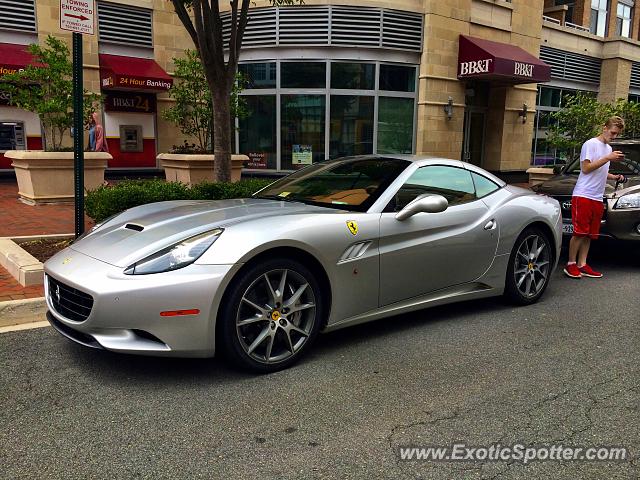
(13, 57)
(481, 59)
(132, 73)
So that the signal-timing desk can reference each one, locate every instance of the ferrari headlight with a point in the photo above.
(631, 200)
(176, 256)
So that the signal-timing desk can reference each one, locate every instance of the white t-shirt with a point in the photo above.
(591, 185)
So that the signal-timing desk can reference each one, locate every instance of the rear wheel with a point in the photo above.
(530, 267)
(272, 315)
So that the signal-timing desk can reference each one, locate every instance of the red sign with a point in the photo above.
(257, 160)
(130, 102)
(135, 83)
(9, 70)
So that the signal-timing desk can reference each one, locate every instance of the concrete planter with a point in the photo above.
(539, 175)
(47, 177)
(25, 268)
(192, 169)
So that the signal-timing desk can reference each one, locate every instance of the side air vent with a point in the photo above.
(133, 226)
(354, 251)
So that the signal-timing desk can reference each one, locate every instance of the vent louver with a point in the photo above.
(125, 25)
(330, 25)
(571, 66)
(18, 15)
(635, 75)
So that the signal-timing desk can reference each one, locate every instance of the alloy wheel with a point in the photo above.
(276, 316)
(532, 265)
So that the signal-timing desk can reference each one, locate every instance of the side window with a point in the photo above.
(484, 186)
(455, 184)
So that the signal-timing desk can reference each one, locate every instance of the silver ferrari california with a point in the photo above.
(335, 244)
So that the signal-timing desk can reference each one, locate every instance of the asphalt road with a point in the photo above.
(564, 371)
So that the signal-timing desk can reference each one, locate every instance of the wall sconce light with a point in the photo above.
(523, 113)
(448, 108)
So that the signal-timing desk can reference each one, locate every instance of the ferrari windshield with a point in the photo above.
(351, 184)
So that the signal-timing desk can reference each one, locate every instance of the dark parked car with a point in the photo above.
(622, 201)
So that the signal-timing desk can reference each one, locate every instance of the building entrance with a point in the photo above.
(476, 100)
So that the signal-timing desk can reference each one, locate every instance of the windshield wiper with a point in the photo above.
(279, 198)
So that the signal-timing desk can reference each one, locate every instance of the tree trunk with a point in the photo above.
(221, 137)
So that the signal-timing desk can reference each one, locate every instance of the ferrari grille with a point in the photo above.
(69, 302)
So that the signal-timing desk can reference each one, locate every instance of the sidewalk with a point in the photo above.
(19, 219)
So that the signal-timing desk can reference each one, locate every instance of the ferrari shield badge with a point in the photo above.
(353, 227)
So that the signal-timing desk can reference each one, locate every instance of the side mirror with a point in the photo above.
(427, 203)
(557, 169)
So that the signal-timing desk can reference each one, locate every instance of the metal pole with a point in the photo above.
(78, 137)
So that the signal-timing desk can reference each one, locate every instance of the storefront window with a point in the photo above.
(397, 78)
(258, 132)
(351, 125)
(549, 97)
(259, 75)
(395, 125)
(355, 76)
(303, 75)
(302, 130)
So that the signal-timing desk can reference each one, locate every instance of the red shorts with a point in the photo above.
(586, 215)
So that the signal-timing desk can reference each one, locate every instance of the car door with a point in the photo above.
(431, 251)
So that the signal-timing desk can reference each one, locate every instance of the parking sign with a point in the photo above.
(77, 16)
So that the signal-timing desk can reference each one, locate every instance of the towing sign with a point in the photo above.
(77, 16)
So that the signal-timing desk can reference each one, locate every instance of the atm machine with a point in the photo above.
(12, 136)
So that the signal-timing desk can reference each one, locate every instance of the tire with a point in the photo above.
(530, 267)
(264, 329)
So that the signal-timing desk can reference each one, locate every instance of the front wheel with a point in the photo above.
(272, 315)
(530, 267)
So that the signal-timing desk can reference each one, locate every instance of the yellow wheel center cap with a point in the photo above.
(275, 315)
(530, 266)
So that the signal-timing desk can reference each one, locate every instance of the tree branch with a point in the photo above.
(184, 17)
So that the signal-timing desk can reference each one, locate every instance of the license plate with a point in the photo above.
(567, 228)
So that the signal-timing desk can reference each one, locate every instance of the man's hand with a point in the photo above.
(615, 156)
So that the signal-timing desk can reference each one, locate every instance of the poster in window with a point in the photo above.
(257, 160)
(301, 154)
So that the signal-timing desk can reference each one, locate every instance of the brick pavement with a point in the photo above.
(19, 219)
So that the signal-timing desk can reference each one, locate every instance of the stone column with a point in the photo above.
(508, 138)
(614, 80)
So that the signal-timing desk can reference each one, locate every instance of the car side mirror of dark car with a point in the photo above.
(557, 169)
(426, 203)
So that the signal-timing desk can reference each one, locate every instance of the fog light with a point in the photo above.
(638, 228)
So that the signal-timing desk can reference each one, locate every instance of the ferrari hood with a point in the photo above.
(144, 230)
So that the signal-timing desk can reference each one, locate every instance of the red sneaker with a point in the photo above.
(587, 271)
(572, 271)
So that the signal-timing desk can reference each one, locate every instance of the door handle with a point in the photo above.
(491, 225)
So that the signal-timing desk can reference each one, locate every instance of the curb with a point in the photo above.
(18, 312)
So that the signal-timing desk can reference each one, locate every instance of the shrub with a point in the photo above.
(108, 200)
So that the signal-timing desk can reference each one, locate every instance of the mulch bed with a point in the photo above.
(45, 248)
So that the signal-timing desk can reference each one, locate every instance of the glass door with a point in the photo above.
(473, 142)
